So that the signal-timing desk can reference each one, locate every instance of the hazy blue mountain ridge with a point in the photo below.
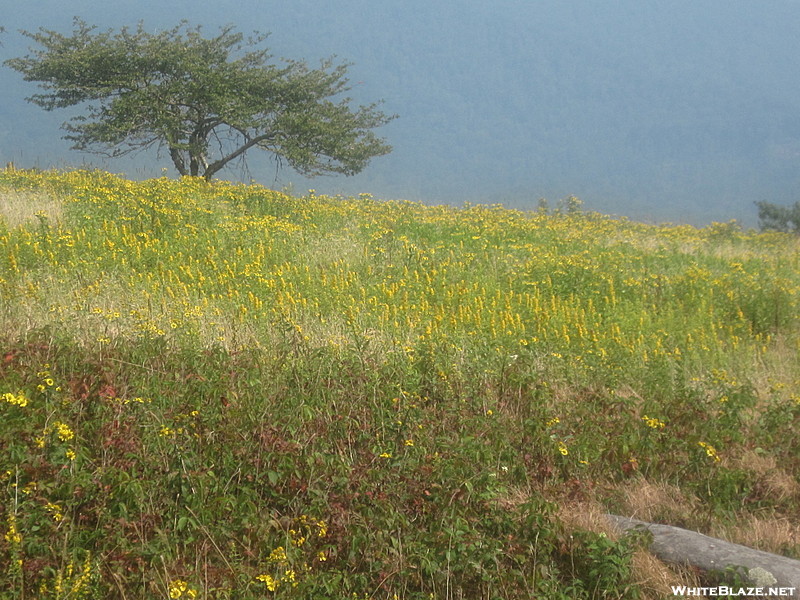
(683, 111)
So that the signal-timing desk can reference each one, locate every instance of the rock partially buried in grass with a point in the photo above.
(684, 547)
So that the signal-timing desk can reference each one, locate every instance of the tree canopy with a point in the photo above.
(779, 218)
(206, 101)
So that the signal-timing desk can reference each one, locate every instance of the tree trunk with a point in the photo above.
(177, 160)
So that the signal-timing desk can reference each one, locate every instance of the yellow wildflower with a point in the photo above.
(19, 400)
(269, 581)
(63, 430)
(653, 423)
(179, 588)
(12, 536)
(710, 451)
(323, 529)
(55, 512)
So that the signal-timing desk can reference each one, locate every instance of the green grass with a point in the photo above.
(220, 391)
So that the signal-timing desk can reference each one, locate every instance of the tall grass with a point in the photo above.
(221, 391)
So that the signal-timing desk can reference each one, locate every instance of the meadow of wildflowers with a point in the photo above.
(222, 391)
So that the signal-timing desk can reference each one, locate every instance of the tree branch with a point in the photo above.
(218, 164)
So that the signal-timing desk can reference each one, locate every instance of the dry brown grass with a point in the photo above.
(17, 208)
(657, 502)
(652, 575)
(770, 480)
(769, 533)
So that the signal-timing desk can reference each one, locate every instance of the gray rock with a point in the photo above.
(684, 547)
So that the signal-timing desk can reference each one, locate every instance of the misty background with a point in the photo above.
(680, 111)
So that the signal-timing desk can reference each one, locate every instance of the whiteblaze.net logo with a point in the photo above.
(725, 591)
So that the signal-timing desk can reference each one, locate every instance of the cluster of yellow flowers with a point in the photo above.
(653, 423)
(56, 512)
(281, 569)
(185, 423)
(46, 381)
(19, 399)
(711, 452)
(63, 431)
(216, 261)
(178, 588)
(12, 536)
(305, 526)
(241, 265)
(273, 583)
(135, 400)
(549, 291)
(72, 581)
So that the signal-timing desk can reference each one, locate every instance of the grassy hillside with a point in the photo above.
(220, 391)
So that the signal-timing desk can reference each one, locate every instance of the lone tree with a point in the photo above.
(779, 218)
(207, 101)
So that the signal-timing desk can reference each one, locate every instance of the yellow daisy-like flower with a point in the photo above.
(55, 512)
(711, 452)
(176, 588)
(181, 589)
(269, 581)
(653, 423)
(277, 555)
(19, 400)
(63, 430)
